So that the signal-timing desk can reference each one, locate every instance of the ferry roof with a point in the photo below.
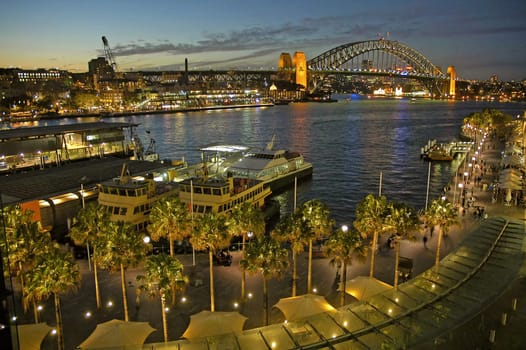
(38, 131)
(224, 148)
(42, 184)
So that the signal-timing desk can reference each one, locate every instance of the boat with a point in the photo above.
(130, 199)
(276, 167)
(220, 195)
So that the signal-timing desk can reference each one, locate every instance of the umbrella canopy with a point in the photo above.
(32, 335)
(117, 333)
(364, 287)
(295, 308)
(207, 324)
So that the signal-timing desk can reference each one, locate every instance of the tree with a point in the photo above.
(163, 275)
(210, 233)
(90, 228)
(290, 229)
(402, 221)
(123, 248)
(169, 218)
(55, 273)
(370, 215)
(265, 255)
(443, 214)
(243, 220)
(25, 241)
(342, 247)
(319, 224)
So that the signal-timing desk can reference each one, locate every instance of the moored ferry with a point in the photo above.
(220, 195)
(276, 167)
(130, 199)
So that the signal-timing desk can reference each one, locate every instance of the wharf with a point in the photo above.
(434, 151)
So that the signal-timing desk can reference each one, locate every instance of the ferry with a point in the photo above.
(130, 199)
(277, 168)
(220, 195)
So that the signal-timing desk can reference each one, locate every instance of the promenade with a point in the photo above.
(77, 326)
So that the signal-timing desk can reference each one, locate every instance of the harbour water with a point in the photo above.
(352, 144)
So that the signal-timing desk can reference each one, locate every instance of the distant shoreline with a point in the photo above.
(170, 111)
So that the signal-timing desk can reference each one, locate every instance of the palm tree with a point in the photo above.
(370, 216)
(266, 256)
(169, 218)
(124, 247)
(441, 213)
(290, 229)
(342, 247)
(89, 228)
(55, 273)
(163, 275)
(210, 233)
(402, 221)
(24, 242)
(243, 220)
(319, 224)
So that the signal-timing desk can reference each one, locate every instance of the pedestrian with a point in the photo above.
(425, 242)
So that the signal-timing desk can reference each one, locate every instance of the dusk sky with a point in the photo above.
(478, 37)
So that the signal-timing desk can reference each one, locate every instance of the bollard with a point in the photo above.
(514, 304)
(492, 336)
(504, 318)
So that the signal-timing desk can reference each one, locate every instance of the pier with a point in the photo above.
(434, 151)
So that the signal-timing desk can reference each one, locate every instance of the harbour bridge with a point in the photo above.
(381, 57)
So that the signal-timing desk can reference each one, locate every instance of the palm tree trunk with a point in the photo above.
(96, 276)
(294, 272)
(163, 312)
(265, 301)
(373, 253)
(35, 311)
(343, 284)
(397, 258)
(172, 251)
(439, 243)
(243, 276)
(58, 318)
(124, 297)
(212, 298)
(309, 273)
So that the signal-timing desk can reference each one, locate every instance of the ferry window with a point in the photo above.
(206, 190)
(135, 210)
(116, 211)
(122, 192)
(113, 190)
(198, 190)
(200, 209)
(123, 211)
(208, 209)
(131, 193)
(217, 192)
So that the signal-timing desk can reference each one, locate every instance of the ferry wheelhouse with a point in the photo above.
(220, 195)
(130, 199)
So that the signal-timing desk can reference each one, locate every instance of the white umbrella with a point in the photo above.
(118, 334)
(207, 324)
(295, 308)
(32, 335)
(364, 287)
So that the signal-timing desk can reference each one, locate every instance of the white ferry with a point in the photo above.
(130, 199)
(278, 168)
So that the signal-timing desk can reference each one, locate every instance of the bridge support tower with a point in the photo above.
(452, 75)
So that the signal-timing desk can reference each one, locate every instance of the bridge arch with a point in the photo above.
(336, 58)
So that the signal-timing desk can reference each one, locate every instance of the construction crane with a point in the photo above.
(109, 54)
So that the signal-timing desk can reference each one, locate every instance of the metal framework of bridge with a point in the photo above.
(373, 58)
